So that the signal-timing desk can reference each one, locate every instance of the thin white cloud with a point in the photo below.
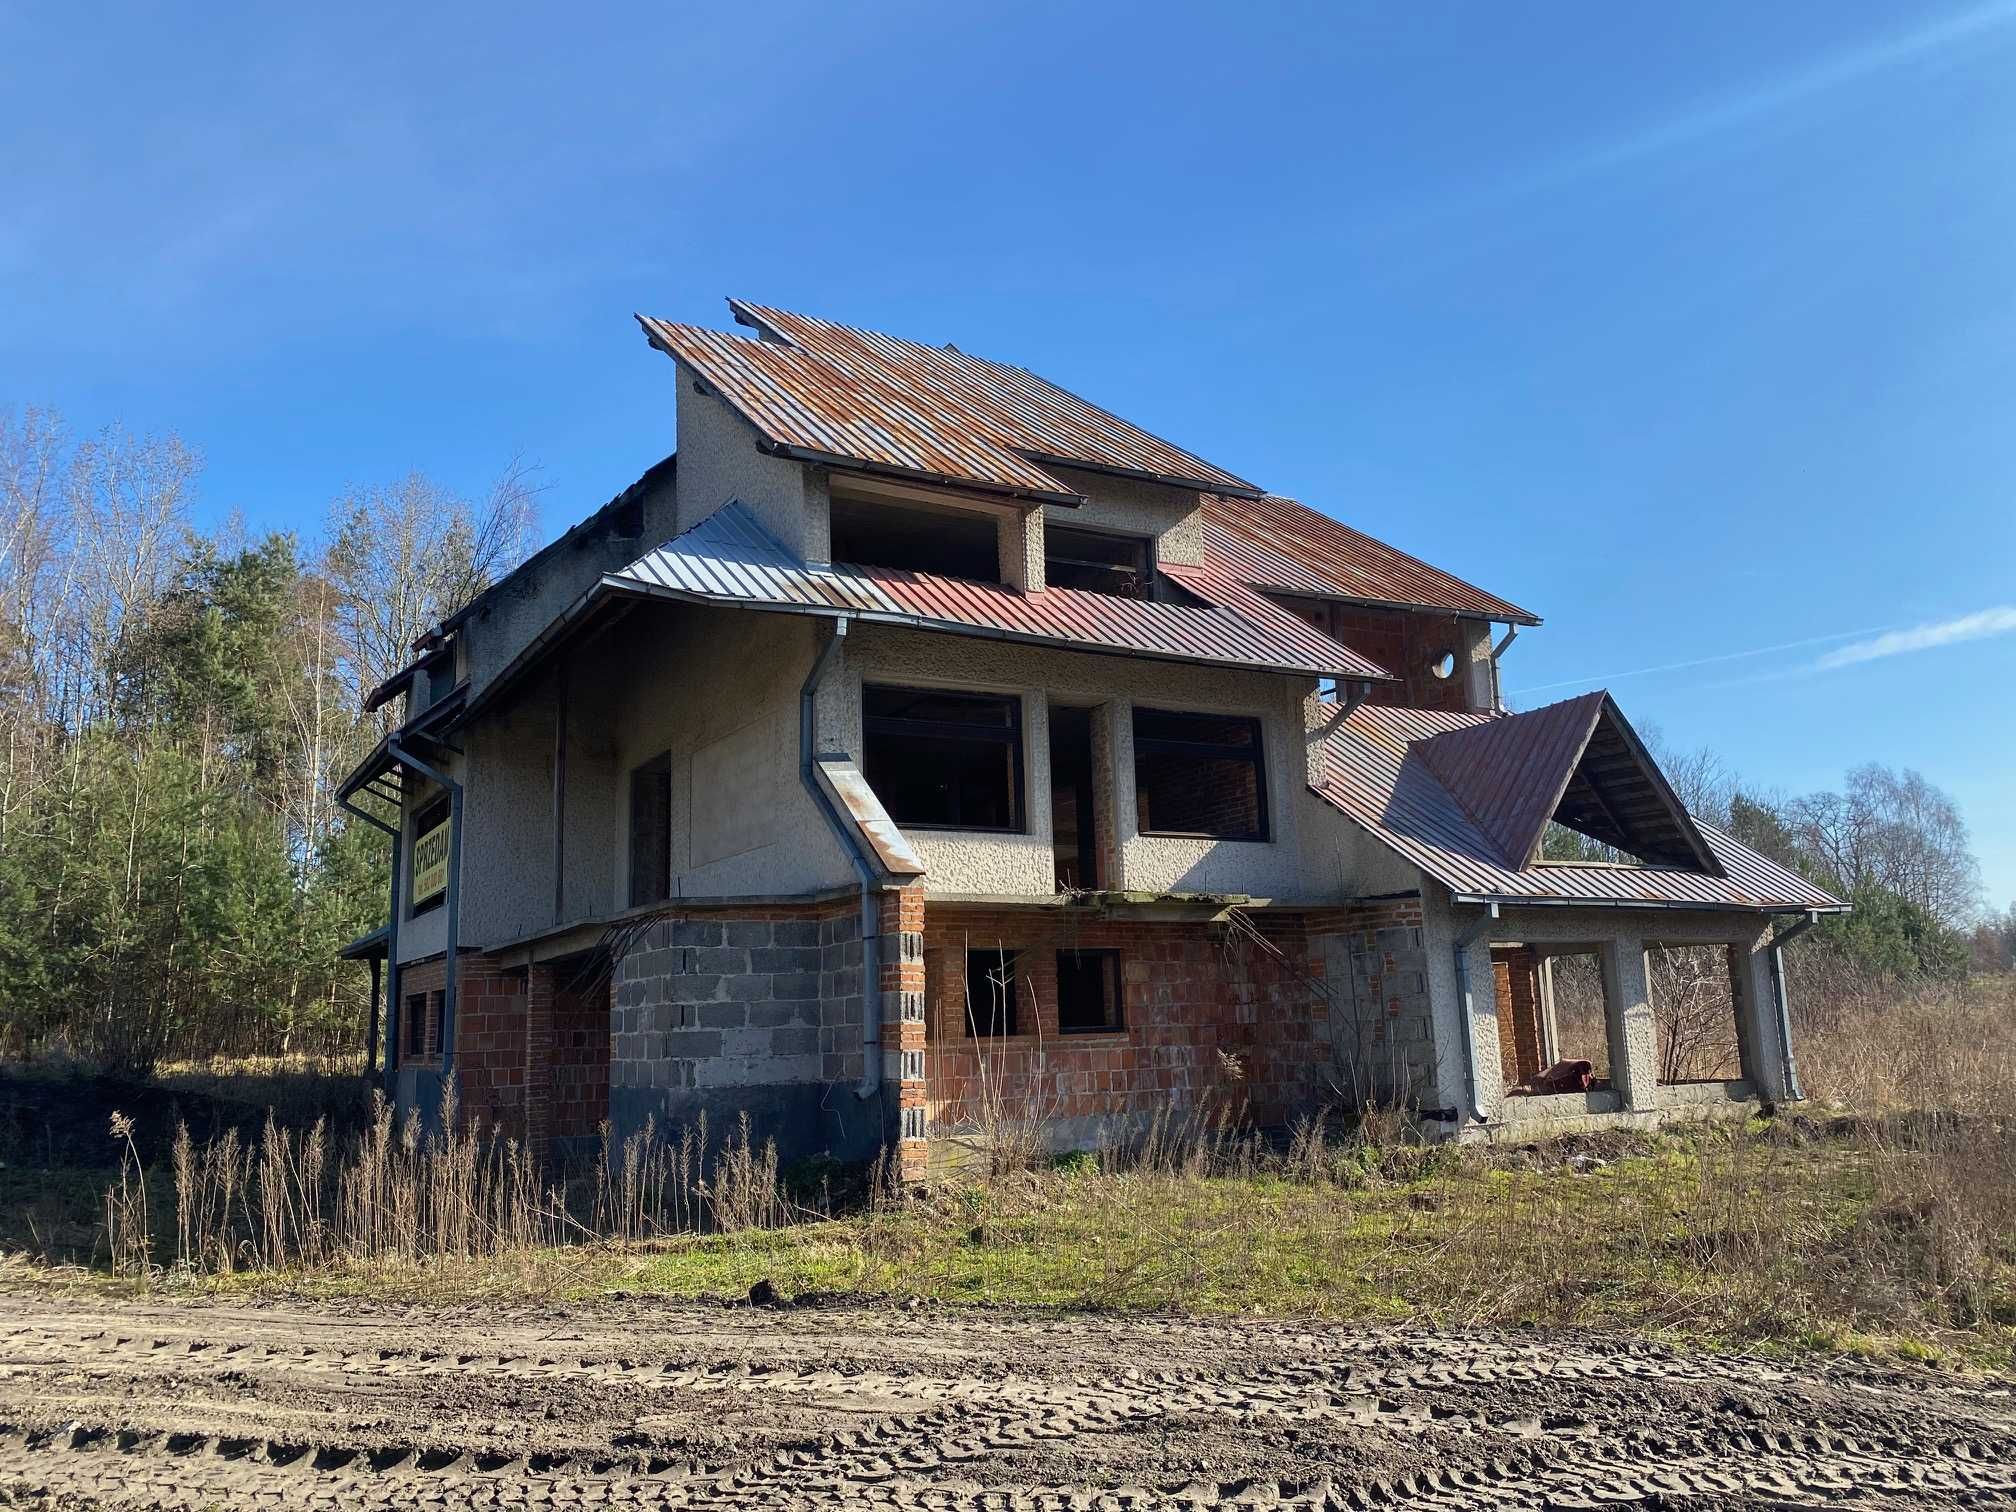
(1698, 661)
(1968, 627)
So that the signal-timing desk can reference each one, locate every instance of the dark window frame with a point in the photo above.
(656, 885)
(1009, 734)
(1113, 989)
(1255, 754)
(1006, 965)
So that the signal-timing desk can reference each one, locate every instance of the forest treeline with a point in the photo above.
(177, 704)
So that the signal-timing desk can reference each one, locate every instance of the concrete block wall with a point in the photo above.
(1382, 1028)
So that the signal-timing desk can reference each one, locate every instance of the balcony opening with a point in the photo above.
(651, 832)
(1074, 824)
(1201, 776)
(1121, 565)
(957, 543)
(944, 760)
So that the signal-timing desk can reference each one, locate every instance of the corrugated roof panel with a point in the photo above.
(729, 557)
(1375, 773)
(1508, 773)
(1281, 544)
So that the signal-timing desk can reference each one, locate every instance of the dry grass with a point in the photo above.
(1949, 1047)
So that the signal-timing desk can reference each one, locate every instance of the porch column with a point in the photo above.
(1757, 1015)
(1634, 1040)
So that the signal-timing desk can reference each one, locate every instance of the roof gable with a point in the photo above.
(1577, 761)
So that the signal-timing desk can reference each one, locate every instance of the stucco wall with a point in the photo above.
(719, 462)
(998, 865)
(1173, 516)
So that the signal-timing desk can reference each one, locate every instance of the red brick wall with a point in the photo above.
(489, 1037)
(580, 1089)
(1404, 642)
(1190, 995)
(1515, 974)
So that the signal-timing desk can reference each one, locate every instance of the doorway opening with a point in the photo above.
(1074, 823)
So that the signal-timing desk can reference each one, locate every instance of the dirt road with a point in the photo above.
(631, 1404)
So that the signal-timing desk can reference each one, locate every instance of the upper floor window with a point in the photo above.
(1100, 563)
(1202, 775)
(915, 538)
(651, 832)
(944, 760)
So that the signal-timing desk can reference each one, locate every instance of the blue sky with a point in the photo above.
(1691, 327)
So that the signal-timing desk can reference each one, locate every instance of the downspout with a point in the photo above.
(850, 842)
(451, 972)
(391, 942)
(1497, 651)
(1463, 943)
(1793, 1091)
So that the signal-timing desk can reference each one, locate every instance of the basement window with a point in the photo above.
(1123, 566)
(651, 831)
(1199, 775)
(949, 542)
(1088, 992)
(990, 993)
(941, 760)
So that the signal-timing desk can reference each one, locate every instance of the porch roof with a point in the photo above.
(1378, 772)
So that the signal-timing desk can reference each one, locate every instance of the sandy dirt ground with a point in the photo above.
(628, 1404)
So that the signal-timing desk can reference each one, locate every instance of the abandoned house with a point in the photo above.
(922, 745)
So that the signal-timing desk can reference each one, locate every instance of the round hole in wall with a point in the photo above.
(1444, 666)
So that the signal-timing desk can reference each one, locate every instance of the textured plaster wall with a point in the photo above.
(719, 461)
(1173, 516)
(993, 864)
(1620, 937)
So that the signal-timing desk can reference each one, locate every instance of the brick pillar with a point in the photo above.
(539, 1061)
(902, 927)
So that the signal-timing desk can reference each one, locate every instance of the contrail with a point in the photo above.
(1967, 627)
(1700, 661)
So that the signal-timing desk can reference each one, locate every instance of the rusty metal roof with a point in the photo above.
(729, 558)
(1376, 772)
(1280, 544)
(860, 398)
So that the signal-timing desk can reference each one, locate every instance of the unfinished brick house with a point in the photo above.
(922, 745)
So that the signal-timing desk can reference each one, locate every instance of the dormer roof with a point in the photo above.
(853, 398)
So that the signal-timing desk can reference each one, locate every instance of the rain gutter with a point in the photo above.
(1473, 1105)
(391, 940)
(864, 869)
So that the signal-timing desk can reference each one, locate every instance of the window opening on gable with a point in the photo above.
(651, 831)
(949, 542)
(1553, 1019)
(944, 760)
(1088, 992)
(1694, 997)
(990, 993)
(1563, 845)
(1201, 775)
(1443, 667)
(1121, 565)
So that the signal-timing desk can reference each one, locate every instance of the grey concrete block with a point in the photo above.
(699, 987)
(695, 932)
(693, 1044)
(746, 934)
(772, 1015)
(723, 1015)
(796, 984)
(797, 932)
(797, 1040)
(785, 958)
(723, 960)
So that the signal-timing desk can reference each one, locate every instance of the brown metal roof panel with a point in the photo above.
(1325, 551)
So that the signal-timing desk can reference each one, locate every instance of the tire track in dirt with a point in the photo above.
(963, 1409)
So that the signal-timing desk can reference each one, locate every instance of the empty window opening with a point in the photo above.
(1097, 562)
(941, 760)
(949, 542)
(1693, 990)
(651, 831)
(421, 1033)
(1561, 845)
(1443, 667)
(1088, 992)
(1618, 809)
(990, 993)
(1553, 1020)
(1073, 821)
(1199, 775)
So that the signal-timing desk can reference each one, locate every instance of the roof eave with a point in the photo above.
(1524, 900)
